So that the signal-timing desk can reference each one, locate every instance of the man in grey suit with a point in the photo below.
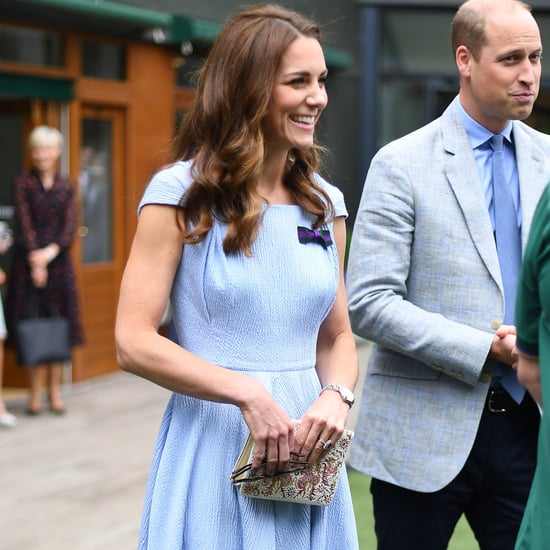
(438, 431)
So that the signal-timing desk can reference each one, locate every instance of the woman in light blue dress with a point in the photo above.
(247, 241)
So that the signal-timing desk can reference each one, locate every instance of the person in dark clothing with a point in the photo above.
(42, 280)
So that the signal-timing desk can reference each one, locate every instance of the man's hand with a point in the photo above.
(503, 344)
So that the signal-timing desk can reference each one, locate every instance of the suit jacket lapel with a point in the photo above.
(530, 162)
(463, 176)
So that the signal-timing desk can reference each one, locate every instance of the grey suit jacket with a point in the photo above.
(424, 285)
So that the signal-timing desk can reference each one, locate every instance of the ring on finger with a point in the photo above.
(322, 442)
(327, 445)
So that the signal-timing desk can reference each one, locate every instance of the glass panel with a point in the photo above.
(186, 69)
(418, 41)
(405, 47)
(402, 109)
(103, 60)
(96, 190)
(540, 117)
(12, 128)
(31, 46)
(418, 72)
(414, 70)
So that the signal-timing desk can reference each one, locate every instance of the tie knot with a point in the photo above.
(497, 142)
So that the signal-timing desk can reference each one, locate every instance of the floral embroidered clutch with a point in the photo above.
(303, 484)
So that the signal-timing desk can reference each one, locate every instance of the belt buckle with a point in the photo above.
(491, 405)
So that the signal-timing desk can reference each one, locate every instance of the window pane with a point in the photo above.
(96, 185)
(103, 60)
(187, 68)
(31, 46)
(406, 49)
(12, 130)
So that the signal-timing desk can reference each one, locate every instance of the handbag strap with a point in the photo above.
(37, 304)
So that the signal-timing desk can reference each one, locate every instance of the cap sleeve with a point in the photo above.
(336, 196)
(168, 185)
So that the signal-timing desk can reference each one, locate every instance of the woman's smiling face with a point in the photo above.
(45, 156)
(298, 97)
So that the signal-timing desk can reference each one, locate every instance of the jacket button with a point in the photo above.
(485, 377)
(495, 324)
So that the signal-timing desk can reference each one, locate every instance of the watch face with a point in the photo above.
(347, 395)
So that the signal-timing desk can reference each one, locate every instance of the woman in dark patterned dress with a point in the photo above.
(42, 280)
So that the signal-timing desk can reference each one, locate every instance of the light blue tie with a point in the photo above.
(508, 241)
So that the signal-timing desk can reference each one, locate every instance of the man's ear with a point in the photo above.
(463, 58)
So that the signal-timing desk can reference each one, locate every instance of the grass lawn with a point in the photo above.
(462, 539)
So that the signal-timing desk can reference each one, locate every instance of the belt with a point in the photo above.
(500, 401)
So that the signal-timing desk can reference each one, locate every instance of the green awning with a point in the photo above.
(20, 85)
(107, 9)
(337, 58)
(155, 25)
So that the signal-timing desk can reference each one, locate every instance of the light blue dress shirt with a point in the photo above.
(479, 135)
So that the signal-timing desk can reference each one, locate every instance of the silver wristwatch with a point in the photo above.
(345, 393)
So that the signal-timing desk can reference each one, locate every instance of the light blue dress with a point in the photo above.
(258, 315)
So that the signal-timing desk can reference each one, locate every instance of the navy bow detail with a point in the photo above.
(319, 236)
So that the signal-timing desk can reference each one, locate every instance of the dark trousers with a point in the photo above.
(491, 490)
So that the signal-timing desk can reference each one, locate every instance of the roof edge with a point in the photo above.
(162, 27)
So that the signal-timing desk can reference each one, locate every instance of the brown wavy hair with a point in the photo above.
(222, 132)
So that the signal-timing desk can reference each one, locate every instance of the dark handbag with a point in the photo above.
(42, 340)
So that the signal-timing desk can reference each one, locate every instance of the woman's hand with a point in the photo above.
(39, 276)
(41, 257)
(38, 262)
(321, 426)
(271, 428)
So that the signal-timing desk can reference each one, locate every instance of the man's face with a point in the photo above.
(503, 83)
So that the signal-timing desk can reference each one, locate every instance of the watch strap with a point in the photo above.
(343, 391)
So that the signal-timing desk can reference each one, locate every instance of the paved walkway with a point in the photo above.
(77, 482)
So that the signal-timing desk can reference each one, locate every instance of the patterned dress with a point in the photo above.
(258, 315)
(42, 217)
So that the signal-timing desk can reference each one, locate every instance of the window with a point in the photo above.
(96, 189)
(103, 60)
(31, 46)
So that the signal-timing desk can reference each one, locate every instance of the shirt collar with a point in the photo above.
(477, 133)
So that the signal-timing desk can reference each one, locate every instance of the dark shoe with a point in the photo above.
(58, 410)
(56, 405)
(32, 412)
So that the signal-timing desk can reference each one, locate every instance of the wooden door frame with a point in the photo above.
(106, 275)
